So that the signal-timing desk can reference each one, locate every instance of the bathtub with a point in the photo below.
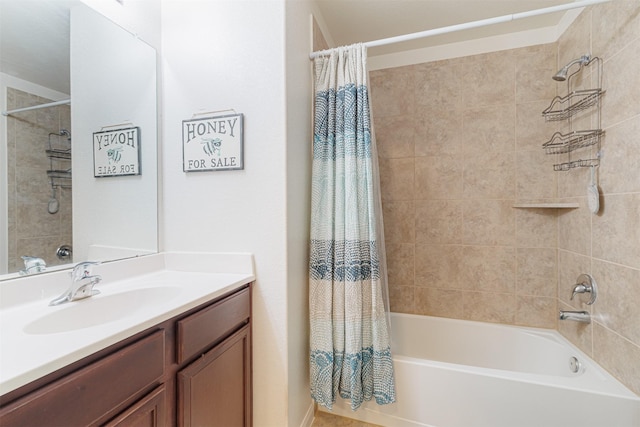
(458, 373)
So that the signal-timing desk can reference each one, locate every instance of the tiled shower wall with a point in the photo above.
(460, 142)
(32, 229)
(608, 244)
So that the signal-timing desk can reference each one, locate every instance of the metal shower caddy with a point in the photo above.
(566, 107)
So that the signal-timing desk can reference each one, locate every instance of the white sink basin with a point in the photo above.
(99, 309)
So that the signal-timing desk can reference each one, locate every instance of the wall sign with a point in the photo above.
(212, 143)
(116, 152)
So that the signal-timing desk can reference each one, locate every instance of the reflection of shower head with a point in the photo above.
(64, 132)
(561, 75)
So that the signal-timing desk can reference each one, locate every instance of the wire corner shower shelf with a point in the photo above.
(566, 107)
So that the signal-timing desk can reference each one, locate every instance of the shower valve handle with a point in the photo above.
(585, 284)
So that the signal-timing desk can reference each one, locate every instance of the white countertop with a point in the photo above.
(30, 345)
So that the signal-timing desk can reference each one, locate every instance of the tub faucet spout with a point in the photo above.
(577, 316)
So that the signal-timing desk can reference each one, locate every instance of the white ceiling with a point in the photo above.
(353, 21)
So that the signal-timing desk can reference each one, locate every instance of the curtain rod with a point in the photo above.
(469, 25)
(37, 107)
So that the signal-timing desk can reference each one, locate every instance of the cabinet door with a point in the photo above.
(215, 390)
(150, 411)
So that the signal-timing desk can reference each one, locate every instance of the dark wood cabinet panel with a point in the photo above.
(199, 331)
(150, 411)
(95, 392)
(215, 390)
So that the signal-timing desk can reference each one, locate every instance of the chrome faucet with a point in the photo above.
(578, 316)
(82, 283)
(586, 285)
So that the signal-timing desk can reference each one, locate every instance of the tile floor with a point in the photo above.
(323, 419)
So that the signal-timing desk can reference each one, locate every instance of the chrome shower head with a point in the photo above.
(561, 75)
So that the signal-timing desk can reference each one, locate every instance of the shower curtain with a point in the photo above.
(349, 346)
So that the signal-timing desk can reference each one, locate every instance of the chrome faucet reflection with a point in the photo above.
(32, 265)
(82, 283)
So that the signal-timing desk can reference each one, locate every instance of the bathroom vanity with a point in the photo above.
(189, 365)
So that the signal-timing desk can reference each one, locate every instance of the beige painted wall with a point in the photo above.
(460, 143)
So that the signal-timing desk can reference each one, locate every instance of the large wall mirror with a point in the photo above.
(96, 79)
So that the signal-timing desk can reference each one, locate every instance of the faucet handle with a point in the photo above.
(82, 270)
(586, 284)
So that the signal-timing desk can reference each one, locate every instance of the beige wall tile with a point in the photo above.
(531, 129)
(614, 25)
(620, 72)
(490, 307)
(439, 266)
(438, 84)
(619, 170)
(488, 269)
(618, 356)
(574, 229)
(490, 175)
(537, 272)
(536, 228)
(488, 79)
(438, 177)
(573, 183)
(488, 222)
(400, 263)
(395, 136)
(616, 230)
(439, 302)
(537, 312)
(618, 299)
(533, 77)
(397, 179)
(438, 221)
(488, 129)
(535, 176)
(401, 299)
(439, 131)
(399, 223)
(392, 92)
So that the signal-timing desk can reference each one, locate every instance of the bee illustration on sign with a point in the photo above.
(114, 155)
(211, 146)
(212, 143)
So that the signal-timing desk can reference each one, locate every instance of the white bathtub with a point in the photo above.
(457, 373)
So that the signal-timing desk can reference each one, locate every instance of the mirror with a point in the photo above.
(50, 195)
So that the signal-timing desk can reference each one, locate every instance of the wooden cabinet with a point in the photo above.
(192, 370)
(212, 391)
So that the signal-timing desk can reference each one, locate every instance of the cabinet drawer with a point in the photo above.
(208, 326)
(85, 397)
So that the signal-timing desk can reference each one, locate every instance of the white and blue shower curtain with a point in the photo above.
(350, 352)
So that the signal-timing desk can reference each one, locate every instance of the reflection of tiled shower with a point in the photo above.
(59, 172)
(32, 230)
